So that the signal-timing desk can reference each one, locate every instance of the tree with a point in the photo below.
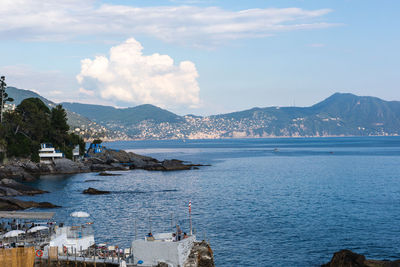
(35, 119)
(3, 97)
(59, 126)
(97, 141)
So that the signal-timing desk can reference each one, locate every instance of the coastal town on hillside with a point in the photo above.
(214, 127)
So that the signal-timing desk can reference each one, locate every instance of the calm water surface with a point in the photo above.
(258, 206)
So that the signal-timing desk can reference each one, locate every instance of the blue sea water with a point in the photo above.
(262, 202)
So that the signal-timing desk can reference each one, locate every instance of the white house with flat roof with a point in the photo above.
(48, 153)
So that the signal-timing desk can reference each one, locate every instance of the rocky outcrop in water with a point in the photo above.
(108, 160)
(109, 174)
(347, 258)
(122, 160)
(9, 187)
(26, 170)
(16, 204)
(201, 255)
(94, 191)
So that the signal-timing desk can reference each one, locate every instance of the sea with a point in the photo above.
(261, 202)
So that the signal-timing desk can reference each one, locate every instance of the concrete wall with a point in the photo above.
(153, 252)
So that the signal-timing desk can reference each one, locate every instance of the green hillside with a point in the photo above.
(126, 116)
(20, 94)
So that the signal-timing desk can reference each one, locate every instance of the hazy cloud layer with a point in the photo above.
(51, 84)
(69, 19)
(131, 77)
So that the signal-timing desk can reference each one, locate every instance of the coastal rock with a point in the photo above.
(116, 156)
(109, 156)
(94, 160)
(9, 192)
(133, 156)
(15, 170)
(169, 165)
(109, 174)
(21, 188)
(16, 204)
(137, 163)
(101, 167)
(94, 191)
(201, 255)
(119, 167)
(347, 258)
(175, 165)
(31, 167)
(66, 166)
(45, 168)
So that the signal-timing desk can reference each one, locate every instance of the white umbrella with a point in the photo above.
(37, 228)
(80, 214)
(13, 233)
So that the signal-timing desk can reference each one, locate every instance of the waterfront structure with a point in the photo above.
(95, 148)
(75, 153)
(48, 153)
(73, 238)
(162, 248)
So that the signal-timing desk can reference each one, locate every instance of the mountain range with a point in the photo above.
(341, 114)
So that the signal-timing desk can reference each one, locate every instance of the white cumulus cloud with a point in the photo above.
(129, 76)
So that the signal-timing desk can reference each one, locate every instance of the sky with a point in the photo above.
(201, 57)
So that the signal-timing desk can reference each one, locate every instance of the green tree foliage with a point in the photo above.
(3, 97)
(33, 123)
(97, 141)
(59, 127)
(35, 119)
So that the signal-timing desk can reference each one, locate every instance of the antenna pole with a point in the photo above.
(172, 222)
(190, 216)
(135, 229)
(150, 223)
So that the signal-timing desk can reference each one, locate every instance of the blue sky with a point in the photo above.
(201, 57)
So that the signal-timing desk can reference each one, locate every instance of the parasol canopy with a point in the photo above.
(13, 233)
(80, 214)
(37, 228)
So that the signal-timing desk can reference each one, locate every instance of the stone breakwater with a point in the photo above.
(16, 171)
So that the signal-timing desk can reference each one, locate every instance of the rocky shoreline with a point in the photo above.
(15, 171)
(347, 258)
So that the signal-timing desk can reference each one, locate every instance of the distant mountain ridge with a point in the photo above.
(128, 116)
(341, 114)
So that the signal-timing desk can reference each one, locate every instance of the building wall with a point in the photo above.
(153, 252)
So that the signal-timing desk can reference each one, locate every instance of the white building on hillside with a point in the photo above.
(47, 153)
